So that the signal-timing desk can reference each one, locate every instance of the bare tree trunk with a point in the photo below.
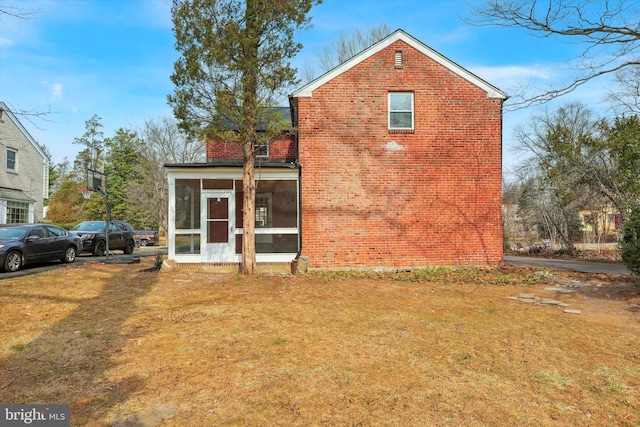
(249, 266)
(249, 119)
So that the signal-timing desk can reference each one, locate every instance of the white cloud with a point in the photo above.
(56, 92)
(513, 75)
(5, 42)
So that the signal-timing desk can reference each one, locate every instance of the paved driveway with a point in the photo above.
(561, 264)
(84, 258)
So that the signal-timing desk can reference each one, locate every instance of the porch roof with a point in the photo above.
(11, 194)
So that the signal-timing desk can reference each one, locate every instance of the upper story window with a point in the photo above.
(12, 160)
(261, 149)
(401, 110)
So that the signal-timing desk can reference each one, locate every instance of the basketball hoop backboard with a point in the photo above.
(95, 180)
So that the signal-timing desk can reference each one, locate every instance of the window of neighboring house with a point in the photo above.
(401, 110)
(17, 212)
(261, 149)
(12, 159)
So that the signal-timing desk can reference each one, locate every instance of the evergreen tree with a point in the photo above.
(630, 245)
(234, 62)
(121, 168)
(92, 139)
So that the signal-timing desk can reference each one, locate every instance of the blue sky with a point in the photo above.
(113, 58)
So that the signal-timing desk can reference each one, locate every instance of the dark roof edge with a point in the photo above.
(232, 164)
(399, 35)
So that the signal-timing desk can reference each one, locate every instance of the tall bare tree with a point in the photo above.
(164, 142)
(586, 162)
(347, 45)
(608, 30)
(234, 62)
(558, 142)
(344, 47)
(626, 97)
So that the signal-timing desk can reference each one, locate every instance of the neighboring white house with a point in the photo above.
(24, 172)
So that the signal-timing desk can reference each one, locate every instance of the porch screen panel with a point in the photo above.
(218, 220)
(187, 244)
(272, 243)
(284, 202)
(276, 204)
(187, 204)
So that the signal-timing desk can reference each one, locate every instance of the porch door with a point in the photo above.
(218, 224)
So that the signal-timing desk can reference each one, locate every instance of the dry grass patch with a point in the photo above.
(437, 347)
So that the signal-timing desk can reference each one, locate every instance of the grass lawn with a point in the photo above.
(125, 346)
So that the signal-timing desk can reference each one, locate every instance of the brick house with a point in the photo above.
(24, 172)
(395, 162)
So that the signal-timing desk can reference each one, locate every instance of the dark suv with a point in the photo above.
(146, 238)
(94, 238)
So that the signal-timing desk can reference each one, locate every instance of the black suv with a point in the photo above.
(94, 238)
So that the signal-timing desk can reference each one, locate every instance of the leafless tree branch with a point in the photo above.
(346, 46)
(9, 9)
(32, 116)
(608, 30)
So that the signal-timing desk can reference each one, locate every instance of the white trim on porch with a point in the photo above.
(230, 173)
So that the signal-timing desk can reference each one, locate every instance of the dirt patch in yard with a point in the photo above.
(126, 346)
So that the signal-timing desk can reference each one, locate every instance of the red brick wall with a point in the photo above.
(281, 148)
(436, 201)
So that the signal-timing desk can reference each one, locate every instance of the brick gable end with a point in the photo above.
(373, 197)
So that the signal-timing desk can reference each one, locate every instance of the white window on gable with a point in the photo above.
(12, 160)
(401, 111)
(261, 149)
